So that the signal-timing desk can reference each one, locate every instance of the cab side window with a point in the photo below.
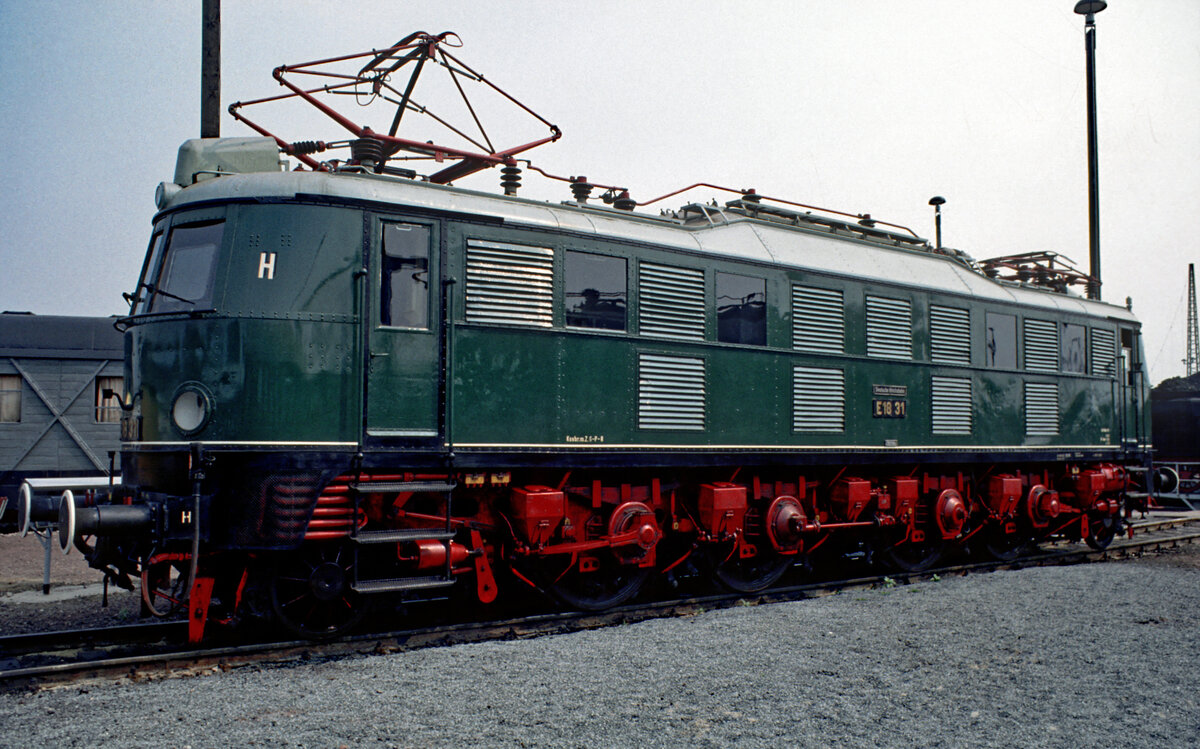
(404, 296)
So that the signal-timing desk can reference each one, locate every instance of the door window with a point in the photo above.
(404, 297)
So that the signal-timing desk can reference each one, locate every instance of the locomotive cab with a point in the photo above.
(244, 363)
(273, 339)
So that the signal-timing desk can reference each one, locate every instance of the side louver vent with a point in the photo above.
(951, 406)
(671, 302)
(949, 335)
(818, 399)
(889, 328)
(1041, 409)
(818, 320)
(510, 284)
(1104, 352)
(670, 392)
(1041, 346)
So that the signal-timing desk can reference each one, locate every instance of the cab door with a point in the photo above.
(403, 345)
(1132, 386)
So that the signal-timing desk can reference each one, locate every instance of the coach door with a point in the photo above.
(403, 346)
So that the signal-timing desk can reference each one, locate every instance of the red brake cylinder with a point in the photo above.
(722, 508)
(537, 512)
(432, 554)
(850, 497)
(904, 492)
(1004, 492)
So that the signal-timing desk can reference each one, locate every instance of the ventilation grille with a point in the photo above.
(818, 320)
(510, 284)
(1104, 352)
(670, 392)
(1041, 409)
(951, 405)
(818, 400)
(671, 302)
(1041, 346)
(889, 328)
(949, 335)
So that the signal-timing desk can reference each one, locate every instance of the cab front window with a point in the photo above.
(139, 303)
(185, 281)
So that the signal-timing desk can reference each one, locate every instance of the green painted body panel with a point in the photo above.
(281, 353)
(502, 380)
(503, 375)
(402, 382)
(270, 380)
(999, 407)
(316, 248)
(302, 356)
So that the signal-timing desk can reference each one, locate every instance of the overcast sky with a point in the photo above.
(863, 106)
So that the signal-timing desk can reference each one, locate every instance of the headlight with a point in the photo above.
(192, 408)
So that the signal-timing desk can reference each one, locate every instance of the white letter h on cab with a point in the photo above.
(266, 266)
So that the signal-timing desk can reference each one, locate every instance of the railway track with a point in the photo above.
(159, 649)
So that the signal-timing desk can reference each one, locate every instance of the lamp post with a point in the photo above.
(1088, 9)
(937, 201)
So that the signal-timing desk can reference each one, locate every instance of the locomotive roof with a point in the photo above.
(728, 233)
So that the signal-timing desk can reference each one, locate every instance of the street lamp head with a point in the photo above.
(937, 201)
(1089, 7)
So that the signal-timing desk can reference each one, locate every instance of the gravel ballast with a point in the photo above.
(1090, 655)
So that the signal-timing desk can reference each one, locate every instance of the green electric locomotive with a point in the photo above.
(347, 382)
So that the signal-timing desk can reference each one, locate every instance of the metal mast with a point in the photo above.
(1192, 362)
(1089, 9)
(210, 70)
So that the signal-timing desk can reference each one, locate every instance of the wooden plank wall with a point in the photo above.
(70, 387)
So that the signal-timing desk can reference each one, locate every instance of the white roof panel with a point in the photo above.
(802, 247)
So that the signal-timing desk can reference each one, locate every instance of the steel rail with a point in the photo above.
(168, 662)
(12, 646)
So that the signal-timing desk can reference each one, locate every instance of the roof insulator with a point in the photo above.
(580, 189)
(368, 152)
(510, 179)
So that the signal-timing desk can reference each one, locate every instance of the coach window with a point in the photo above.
(1001, 341)
(595, 291)
(404, 298)
(108, 399)
(741, 309)
(10, 399)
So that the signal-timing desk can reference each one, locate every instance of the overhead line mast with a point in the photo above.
(210, 70)
(1192, 362)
